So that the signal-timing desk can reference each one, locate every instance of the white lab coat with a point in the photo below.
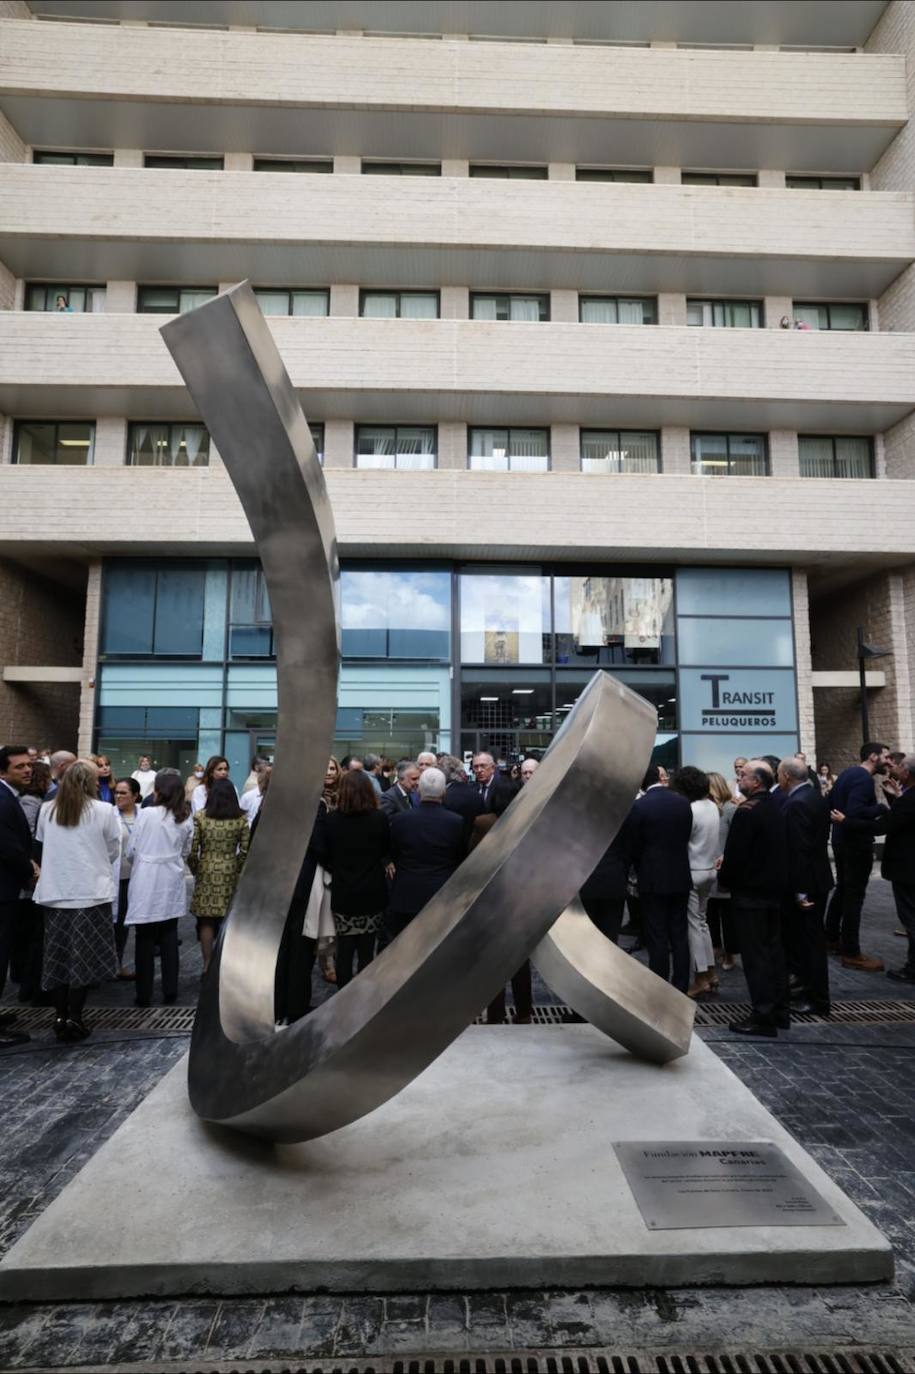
(76, 860)
(157, 850)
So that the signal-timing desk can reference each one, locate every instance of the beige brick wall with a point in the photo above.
(110, 441)
(120, 297)
(12, 148)
(41, 623)
(899, 449)
(14, 9)
(896, 307)
(452, 445)
(784, 460)
(895, 33)
(7, 289)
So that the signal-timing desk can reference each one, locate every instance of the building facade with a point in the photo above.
(603, 319)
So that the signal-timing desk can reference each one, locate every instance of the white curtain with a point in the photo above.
(816, 456)
(419, 307)
(631, 312)
(528, 450)
(599, 312)
(415, 448)
(140, 437)
(638, 452)
(525, 308)
(484, 308)
(311, 303)
(853, 457)
(377, 448)
(380, 307)
(814, 315)
(194, 436)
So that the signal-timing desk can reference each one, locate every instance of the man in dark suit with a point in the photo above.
(806, 814)
(754, 870)
(854, 796)
(427, 845)
(399, 796)
(17, 870)
(898, 866)
(495, 790)
(603, 894)
(661, 822)
(461, 797)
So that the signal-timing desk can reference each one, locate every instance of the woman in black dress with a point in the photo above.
(358, 846)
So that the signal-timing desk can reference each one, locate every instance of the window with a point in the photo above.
(154, 611)
(718, 179)
(728, 455)
(823, 183)
(615, 450)
(396, 613)
(186, 164)
(612, 619)
(279, 302)
(172, 300)
(317, 438)
(618, 309)
(509, 306)
(43, 442)
(157, 445)
(505, 616)
(725, 314)
(401, 169)
(638, 174)
(843, 455)
(47, 159)
(399, 305)
(831, 315)
(77, 299)
(250, 617)
(504, 172)
(509, 450)
(293, 164)
(409, 447)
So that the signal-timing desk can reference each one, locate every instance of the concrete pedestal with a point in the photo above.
(494, 1169)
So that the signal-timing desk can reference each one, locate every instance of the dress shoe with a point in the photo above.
(832, 947)
(753, 1027)
(864, 962)
(782, 1021)
(11, 1037)
(901, 975)
(805, 1006)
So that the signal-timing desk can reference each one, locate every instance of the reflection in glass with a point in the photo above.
(728, 455)
(250, 620)
(608, 620)
(505, 618)
(397, 733)
(168, 445)
(397, 614)
(396, 446)
(53, 442)
(509, 450)
(845, 455)
(614, 450)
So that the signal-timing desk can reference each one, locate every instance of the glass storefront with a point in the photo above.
(448, 657)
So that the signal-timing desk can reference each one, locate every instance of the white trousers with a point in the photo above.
(701, 950)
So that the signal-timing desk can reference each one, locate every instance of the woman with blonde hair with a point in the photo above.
(79, 838)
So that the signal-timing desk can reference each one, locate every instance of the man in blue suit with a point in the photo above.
(853, 794)
(17, 871)
(427, 844)
(660, 825)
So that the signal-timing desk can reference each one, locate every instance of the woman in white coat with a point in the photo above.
(217, 767)
(157, 895)
(704, 852)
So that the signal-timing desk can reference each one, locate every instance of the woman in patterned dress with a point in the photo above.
(218, 850)
(79, 838)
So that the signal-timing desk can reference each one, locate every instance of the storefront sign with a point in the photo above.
(685, 1184)
(724, 700)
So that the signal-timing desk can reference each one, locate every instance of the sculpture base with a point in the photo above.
(494, 1169)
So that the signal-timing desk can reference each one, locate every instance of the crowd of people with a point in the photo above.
(709, 872)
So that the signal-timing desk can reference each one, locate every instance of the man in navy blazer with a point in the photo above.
(427, 845)
(854, 796)
(17, 871)
(660, 826)
(806, 814)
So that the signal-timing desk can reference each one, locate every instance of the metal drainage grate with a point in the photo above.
(181, 1019)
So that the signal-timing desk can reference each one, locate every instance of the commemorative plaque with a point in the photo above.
(684, 1184)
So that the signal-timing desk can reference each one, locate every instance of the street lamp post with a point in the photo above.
(865, 653)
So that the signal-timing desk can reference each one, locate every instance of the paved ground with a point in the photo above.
(846, 1092)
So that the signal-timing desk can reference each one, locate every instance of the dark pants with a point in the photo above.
(394, 923)
(665, 926)
(352, 949)
(9, 917)
(804, 941)
(607, 915)
(904, 897)
(147, 935)
(843, 921)
(721, 925)
(120, 929)
(522, 993)
(758, 930)
(294, 965)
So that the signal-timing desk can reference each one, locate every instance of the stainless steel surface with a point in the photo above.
(612, 990)
(695, 1184)
(367, 1042)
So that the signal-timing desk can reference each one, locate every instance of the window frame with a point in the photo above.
(157, 568)
(178, 290)
(815, 182)
(618, 471)
(542, 298)
(508, 171)
(829, 306)
(835, 475)
(169, 425)
(509, 430)
(291, 291)
(321, 166)
(384, 167)
(726, 302)
(728, 435)
(719, 179)
(584, 297)
(57, 288)
(596, 175)
(395, 291)
(44, 420)
(319, 448)
(40, 158)
(384, 424)
(183, 162)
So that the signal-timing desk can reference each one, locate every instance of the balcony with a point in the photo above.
(422, 371)
(688, 21)
(103, 86)
(98, 224)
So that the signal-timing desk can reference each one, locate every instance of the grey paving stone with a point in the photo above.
(279, 1331)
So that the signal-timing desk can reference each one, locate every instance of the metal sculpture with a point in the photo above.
(366, 1043)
